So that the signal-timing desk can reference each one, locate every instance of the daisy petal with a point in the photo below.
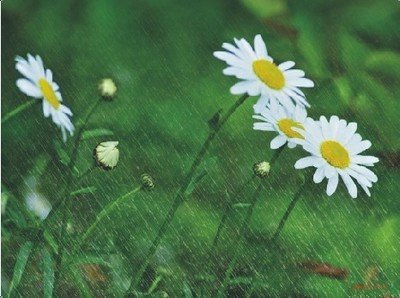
(278, 142)
(28, 88)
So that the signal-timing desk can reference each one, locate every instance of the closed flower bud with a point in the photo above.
(107, 88)
(147, 182)
(261, 169)
(106, 155)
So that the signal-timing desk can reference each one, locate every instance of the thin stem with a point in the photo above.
(71, 166)
(179, 198)
(246, 226)
(228, 208)
(63, 200)
(18, 110)
(243, 231)
(104, 213)
(289, 209)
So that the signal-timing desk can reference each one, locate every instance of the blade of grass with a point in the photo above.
(20, 265)
(48, 274)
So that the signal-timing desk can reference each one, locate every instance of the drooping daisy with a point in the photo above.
(107, 154)
(277, 118)
(335, 149)
(38, 83)
(259, 75)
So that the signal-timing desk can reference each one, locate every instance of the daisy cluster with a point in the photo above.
(333, 145)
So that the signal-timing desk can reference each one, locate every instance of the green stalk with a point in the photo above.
(106, 211)
(71, 166)
(63, 201)
(243, 231)
(18, 110)
(289, 209)
(246, 227)
(180, 197)
(228, 206)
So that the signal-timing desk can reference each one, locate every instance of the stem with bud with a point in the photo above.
(180, 196)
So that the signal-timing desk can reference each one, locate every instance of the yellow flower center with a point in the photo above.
(269, 74)
(335, 154)
(49, 94)
(286, 125)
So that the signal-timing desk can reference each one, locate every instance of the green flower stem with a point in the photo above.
(63, 203)
(246, 226)
(71, 166)
(289, 209)
(180, 196)
(104, 213)
(18, 110)
(243, 231)
(228, 207)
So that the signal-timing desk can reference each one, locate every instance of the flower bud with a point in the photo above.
(106, 154)
(107, 88)
(261, 169)
(147, 182)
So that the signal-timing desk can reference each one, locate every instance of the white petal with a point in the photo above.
(278, 142)
(230, 59)
(309, 161)
(349, 132)
(286, 65)
(46, 108)
(351, 186)
(24, 68)
(319, 175)
(291, 144)
(302, 82)
(329, 171)
(263, 126)
(28, 88)
(241, 87)
(260, 47)
(364, 159)
(294, 74)
(239, 73)
(360, 147)
(332, 184)
(365, 172)
(49, 76)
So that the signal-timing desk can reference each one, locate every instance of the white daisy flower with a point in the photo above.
(335, 149)
(259, 75)
(38, 83)
(107, 154)
(275, 117)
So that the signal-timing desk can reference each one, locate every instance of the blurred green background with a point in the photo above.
(169, 86)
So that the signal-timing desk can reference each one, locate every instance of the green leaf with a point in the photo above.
(20, 264)
(84, 190)
(187, 292)
(241, 205)
(311, 42)
(384, 65)
(62, 155)
(98, 132)
(265, 8)
(76, 276)
(51, 240)
(48, 274)
(75, 260)
(206, 166)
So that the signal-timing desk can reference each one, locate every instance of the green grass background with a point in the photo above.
(169, 86)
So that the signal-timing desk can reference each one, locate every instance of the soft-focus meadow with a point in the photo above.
(169, 85)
